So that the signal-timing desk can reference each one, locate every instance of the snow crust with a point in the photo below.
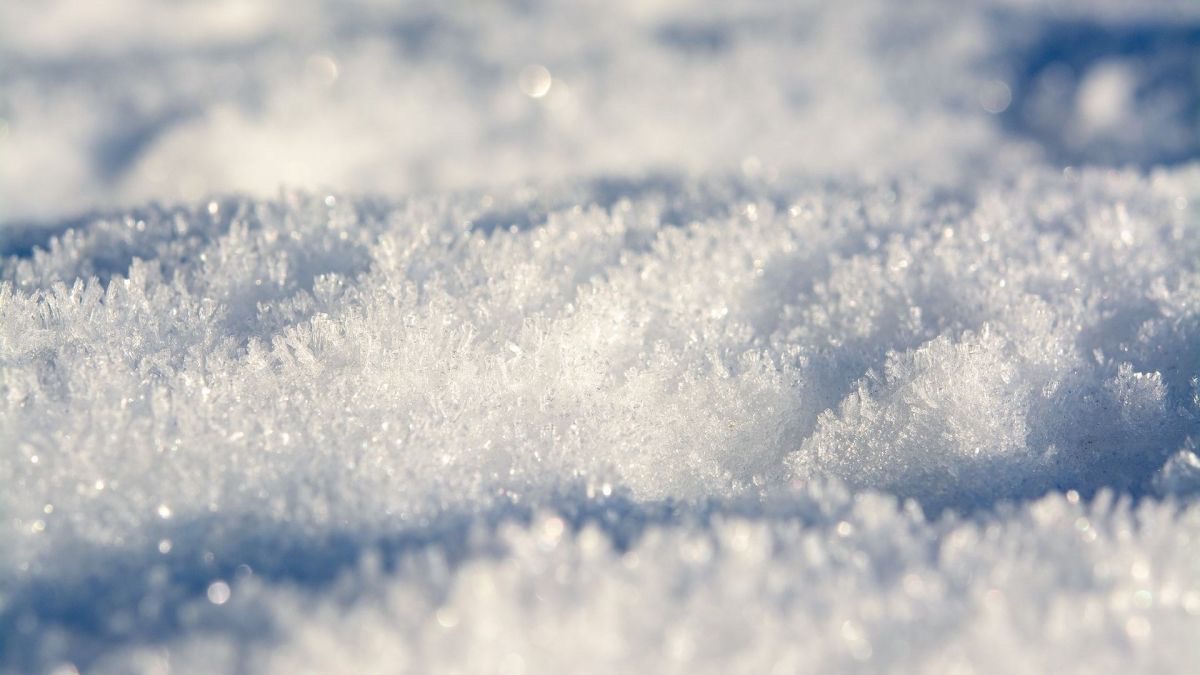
(599, 338)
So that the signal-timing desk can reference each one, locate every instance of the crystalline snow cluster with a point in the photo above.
(754, 337)
(296, 385)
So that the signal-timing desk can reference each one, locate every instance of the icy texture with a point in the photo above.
(326, 377)
(753, 337)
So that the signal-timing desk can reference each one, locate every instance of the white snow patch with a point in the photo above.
(766, 337)
(298, 384)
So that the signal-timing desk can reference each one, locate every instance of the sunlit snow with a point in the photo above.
(599, 337)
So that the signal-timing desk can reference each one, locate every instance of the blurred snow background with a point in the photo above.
(118, 103)
(599, 336)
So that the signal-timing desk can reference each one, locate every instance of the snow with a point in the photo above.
(339, 337)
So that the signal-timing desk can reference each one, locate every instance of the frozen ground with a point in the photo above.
(602, 337)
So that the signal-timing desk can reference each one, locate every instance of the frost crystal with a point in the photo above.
(764, 338)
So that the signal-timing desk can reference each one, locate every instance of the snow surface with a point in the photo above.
(604, 337)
